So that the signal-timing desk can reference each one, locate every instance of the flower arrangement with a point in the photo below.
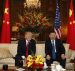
(36, 22)
(35, 61)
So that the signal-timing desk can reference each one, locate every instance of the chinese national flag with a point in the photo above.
(71, 28)
(5, 34)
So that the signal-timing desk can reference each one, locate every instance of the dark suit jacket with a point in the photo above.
(59, 48)
(21, 51)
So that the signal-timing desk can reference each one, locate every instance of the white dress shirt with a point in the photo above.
(27, 42)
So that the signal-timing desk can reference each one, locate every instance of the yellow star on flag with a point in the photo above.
(6, 10)
(70, 12)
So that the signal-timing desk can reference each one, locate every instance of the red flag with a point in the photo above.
(71, 28)
(5, 34)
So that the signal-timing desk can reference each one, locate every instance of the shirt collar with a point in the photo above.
(27, 42)
(53, 41)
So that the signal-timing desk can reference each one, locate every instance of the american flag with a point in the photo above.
(57, 22)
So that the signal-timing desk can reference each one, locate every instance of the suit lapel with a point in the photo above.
(24, 43)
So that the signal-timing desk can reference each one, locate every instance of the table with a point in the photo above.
(28, 69)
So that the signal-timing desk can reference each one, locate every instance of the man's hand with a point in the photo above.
(48, 57)
(23, 57)
(63, 56)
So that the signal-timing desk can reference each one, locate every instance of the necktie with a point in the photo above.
(27, 49)
(53, 50)
(27, 54)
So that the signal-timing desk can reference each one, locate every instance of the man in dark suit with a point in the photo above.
(26, 46)
(54, 50)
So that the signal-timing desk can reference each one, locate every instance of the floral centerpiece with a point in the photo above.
(35, 61)
(36, 22)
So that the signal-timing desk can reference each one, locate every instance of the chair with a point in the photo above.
(70, 55)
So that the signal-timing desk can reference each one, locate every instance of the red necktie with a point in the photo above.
(27, 50)
(27, 55)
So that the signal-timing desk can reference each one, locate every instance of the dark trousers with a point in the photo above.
(18, 61)
(62, 62)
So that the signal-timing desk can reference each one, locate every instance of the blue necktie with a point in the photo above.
(53, 50)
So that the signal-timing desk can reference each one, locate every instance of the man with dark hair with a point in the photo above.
(54, 50)
(26, 46)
